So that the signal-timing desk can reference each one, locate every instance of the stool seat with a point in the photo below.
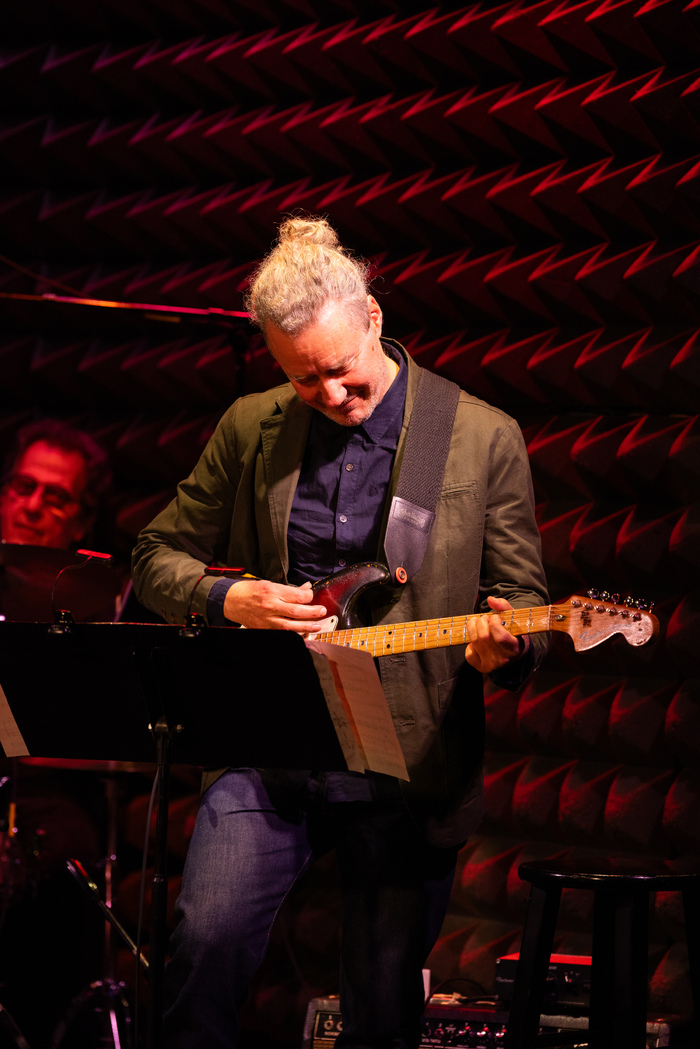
(612, 873)
(619, 977)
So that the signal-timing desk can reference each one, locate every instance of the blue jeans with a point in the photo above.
(253, 838)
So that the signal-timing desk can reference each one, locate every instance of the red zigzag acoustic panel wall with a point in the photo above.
(525, 178)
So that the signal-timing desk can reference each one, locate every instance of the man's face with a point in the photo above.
(336, 367)
(41, 503)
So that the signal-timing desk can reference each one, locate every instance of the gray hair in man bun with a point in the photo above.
(306, 270)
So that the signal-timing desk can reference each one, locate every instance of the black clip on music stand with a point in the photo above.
(205, 696)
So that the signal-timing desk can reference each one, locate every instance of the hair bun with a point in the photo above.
(307, 268)
(316, 231)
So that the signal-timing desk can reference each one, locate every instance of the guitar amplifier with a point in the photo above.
(447, 1023)
(568, 982)
(451, 1023)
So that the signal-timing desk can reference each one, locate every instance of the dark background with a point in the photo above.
(525, 179)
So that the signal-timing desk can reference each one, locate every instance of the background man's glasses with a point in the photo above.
(52, 496)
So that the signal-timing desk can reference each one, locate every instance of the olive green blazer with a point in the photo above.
(233, 510)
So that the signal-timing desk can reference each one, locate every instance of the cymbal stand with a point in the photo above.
(83, 879)
(113, 1004)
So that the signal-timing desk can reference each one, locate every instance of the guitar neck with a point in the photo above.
(389, 638)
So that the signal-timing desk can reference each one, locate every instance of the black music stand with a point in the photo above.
(198, 695)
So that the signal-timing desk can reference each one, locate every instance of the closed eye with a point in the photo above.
(330, 373)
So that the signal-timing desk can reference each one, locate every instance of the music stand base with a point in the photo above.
(10, 1034)
(99, 1017)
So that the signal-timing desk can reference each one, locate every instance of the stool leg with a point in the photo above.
(691, 910)
(602, 967)
(619, 976)
(533, 965)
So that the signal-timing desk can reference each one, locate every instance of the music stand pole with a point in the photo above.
(159, 893)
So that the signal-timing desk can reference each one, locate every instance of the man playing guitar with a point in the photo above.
(295, 485)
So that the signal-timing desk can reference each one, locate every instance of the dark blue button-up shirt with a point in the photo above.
(338, 506)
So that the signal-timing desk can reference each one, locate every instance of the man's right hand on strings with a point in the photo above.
(261, 605)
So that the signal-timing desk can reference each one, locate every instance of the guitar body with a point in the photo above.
(342, 592)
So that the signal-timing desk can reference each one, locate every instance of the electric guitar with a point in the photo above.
(588, 620)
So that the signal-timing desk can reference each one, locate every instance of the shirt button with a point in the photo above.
(343, 518)
(349, 467)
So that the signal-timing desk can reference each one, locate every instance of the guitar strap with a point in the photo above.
(427, 444)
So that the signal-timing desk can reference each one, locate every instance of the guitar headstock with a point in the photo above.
(594, 618)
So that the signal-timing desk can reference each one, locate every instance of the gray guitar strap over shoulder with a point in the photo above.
(427, 444)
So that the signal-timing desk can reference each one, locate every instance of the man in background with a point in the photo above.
(52, 487)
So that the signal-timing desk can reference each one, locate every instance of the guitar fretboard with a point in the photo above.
(389, 638)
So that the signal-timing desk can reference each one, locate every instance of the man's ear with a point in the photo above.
(375, 314)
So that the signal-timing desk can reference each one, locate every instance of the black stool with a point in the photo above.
(619, 978)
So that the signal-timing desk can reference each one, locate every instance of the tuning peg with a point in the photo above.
(628, 602)
(605, 596)
(615, 599)
(593, 594)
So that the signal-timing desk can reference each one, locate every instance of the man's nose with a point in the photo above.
(333, 393)
(34, 503)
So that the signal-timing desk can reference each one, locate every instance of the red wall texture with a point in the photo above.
(525, 178)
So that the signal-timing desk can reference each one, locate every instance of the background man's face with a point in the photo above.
(41, 503)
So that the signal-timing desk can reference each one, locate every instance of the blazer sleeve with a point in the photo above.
(172, 552)
(512, 554)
